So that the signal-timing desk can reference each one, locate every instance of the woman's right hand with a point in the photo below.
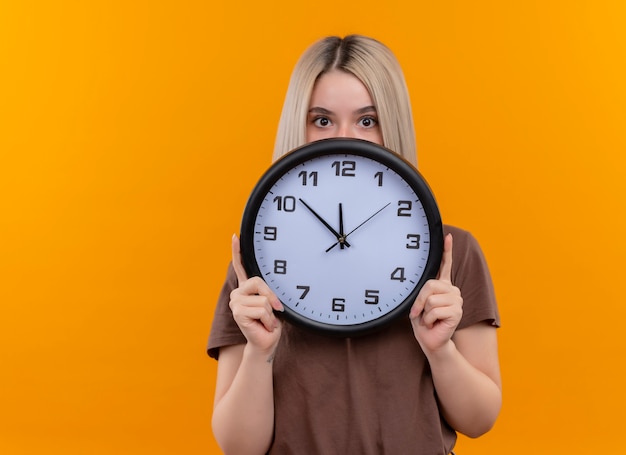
(252, 304)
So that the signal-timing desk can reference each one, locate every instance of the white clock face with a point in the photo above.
(342, 240)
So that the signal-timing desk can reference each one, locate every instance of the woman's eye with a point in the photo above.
(368, 122)
(322, 122)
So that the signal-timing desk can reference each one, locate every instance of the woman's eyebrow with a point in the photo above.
(319, 110)
(322, 110)
(365, 109)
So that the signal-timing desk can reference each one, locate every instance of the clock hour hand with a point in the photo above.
(340, 238)
(344, 237)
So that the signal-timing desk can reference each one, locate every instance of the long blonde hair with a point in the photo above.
(375, 66)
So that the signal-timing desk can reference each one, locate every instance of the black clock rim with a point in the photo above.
(359, 147)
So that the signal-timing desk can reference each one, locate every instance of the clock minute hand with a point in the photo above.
(344, 237)
(341, 240)
(325, 223)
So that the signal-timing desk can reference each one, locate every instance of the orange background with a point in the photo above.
(131, 133)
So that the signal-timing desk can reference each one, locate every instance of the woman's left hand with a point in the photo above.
(438, 308)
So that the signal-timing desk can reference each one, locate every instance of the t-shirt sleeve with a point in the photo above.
(470, 274)
(224, 329)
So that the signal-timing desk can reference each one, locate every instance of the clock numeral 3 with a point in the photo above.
(339, 304)
(280, 267)
(398, 275)
(371, 296)
(413, 241)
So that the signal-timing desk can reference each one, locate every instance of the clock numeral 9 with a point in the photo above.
(371, 296)
(413, 241)
(398, 275)
(339, 304)
(270, 233)
(287, 203)
(404, 208)
(280, 267)
(344, 168)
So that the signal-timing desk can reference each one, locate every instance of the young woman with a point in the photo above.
(406, 389)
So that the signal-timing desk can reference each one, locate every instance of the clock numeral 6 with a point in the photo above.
(280, 267)
(339, 304)
(398, 274)
(371, 296)
(413, 241)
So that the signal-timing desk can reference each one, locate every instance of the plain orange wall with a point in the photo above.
(132, 132)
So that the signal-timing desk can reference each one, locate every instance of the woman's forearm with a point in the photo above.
(470, 397)
(243, 417)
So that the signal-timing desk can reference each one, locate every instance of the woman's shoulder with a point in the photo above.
(463, 239)
(455, 231)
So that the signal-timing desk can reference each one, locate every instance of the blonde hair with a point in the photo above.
(375, 66)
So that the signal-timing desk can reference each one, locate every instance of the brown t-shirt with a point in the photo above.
(367, 395)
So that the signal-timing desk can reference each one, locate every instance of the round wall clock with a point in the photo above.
(345, 232)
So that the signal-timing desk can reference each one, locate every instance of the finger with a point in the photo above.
(269, 321)
(433, 292)
(416, 310)
(253, 313)
(421, 299)
(418, 305)
(451, 300)
(256, 285)
(440, 315)
(445, 270)
(237, 264)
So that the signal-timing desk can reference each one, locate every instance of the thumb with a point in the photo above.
(237, 264)
(445, 270)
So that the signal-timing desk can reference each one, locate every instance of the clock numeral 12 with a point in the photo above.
(344, 168)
